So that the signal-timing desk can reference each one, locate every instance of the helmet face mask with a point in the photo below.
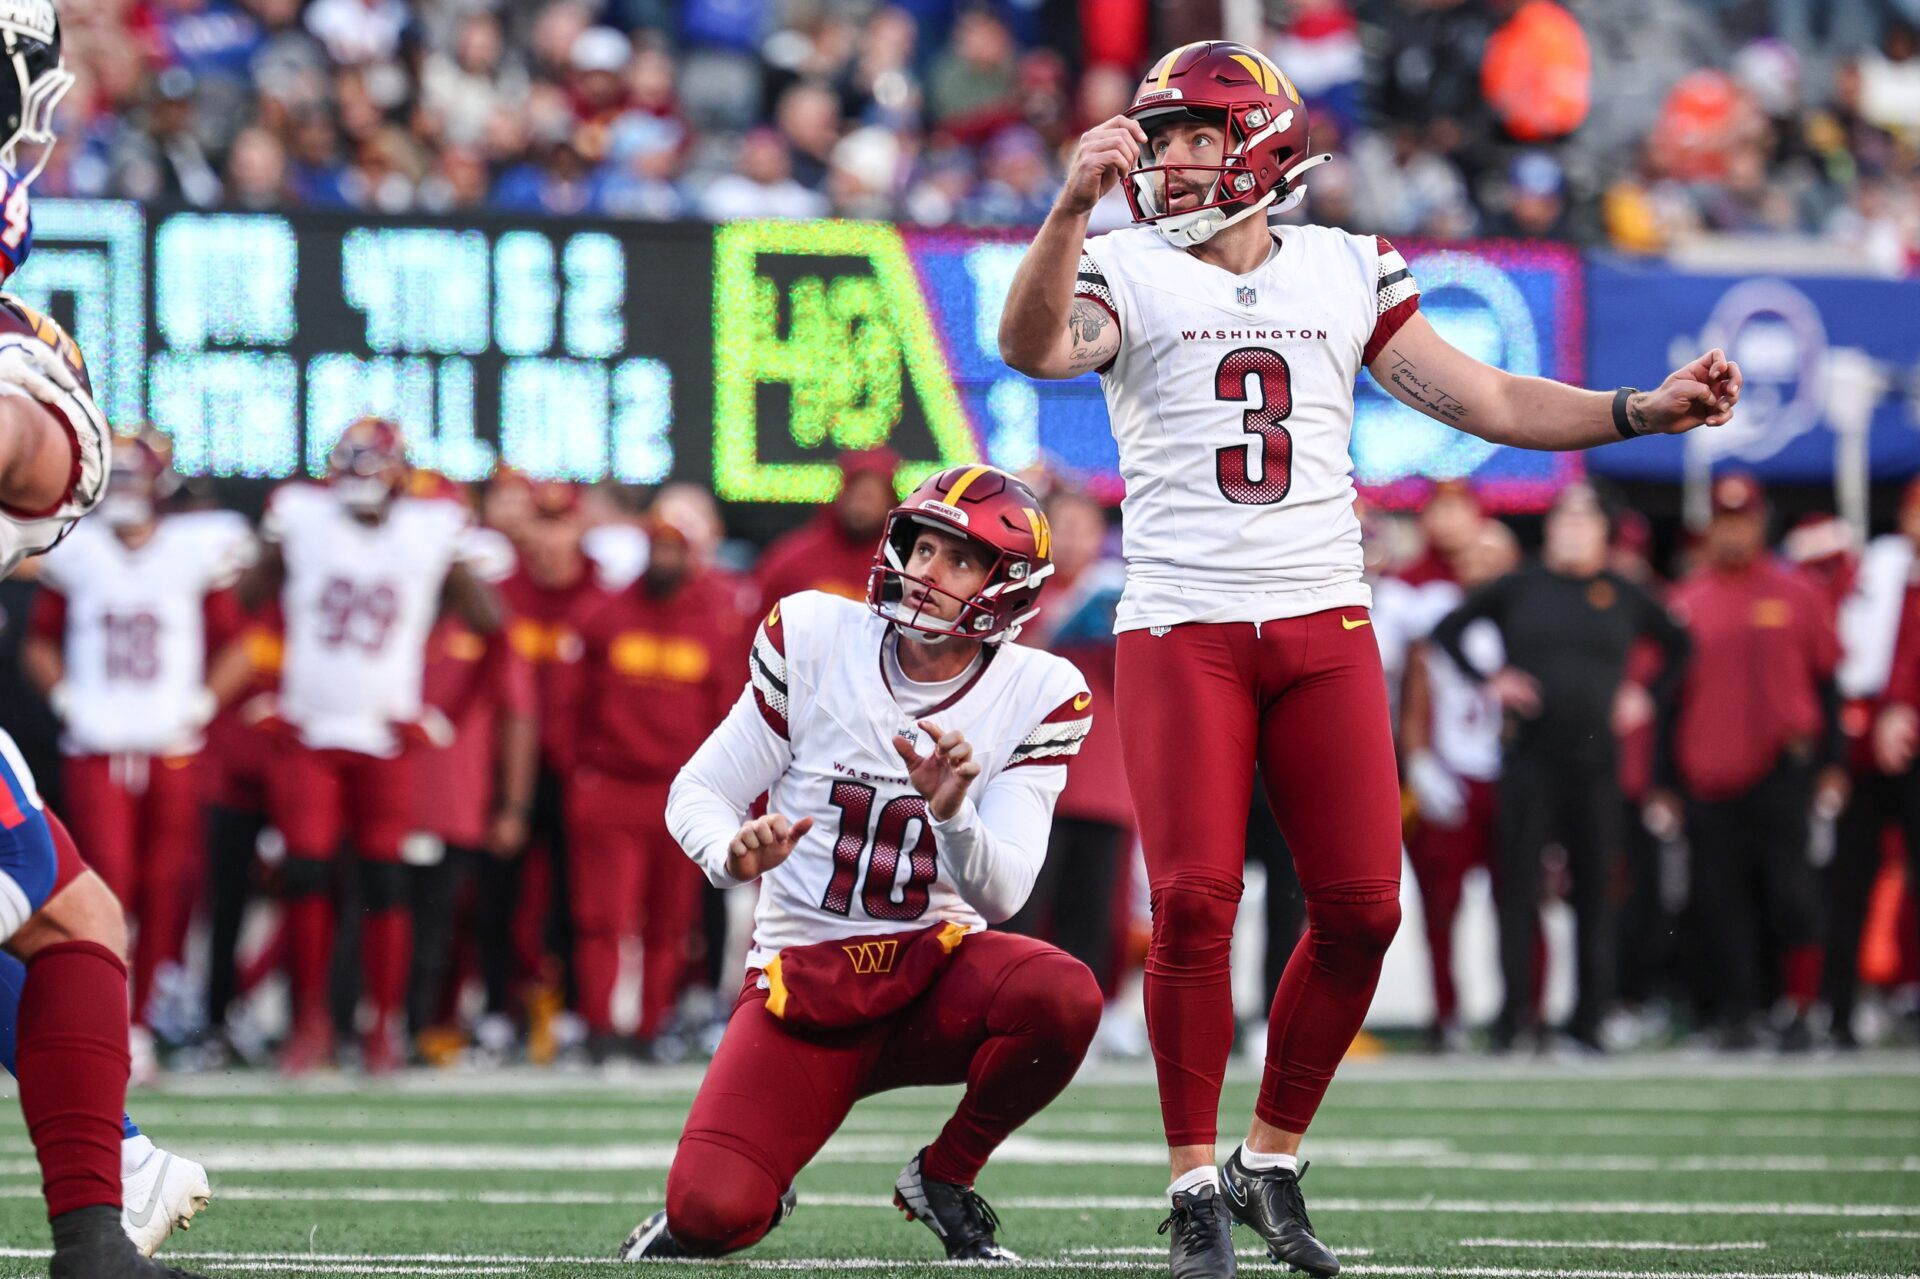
(1239, 91)
(32, 83)
(1000, 517)
(368, 466)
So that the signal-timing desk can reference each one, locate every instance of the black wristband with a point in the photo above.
(1620, 422)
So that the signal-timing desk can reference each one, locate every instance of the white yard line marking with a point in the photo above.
(858, 1149)
(1880, 1234)
(1160, 1250)
(650, 1196)
(1617, 1245)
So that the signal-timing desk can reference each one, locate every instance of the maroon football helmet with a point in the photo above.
(1239, 89)
(987, 506)
(368, 466)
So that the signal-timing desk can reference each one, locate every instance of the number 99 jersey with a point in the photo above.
(1231, 399)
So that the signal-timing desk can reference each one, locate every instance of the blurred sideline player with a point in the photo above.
(1228, 351)
(361, 569)
(833, 551)
(1450, 750)
(865, 836)
(473, 798)
(64, 1028)
(653, 675)
(118, 645)
(549, 589)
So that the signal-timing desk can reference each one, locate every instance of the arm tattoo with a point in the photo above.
(1087, 325)
(1404, 375)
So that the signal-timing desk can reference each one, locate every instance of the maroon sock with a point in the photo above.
(596, 967)
(1190, 1004)
(1322, 999)
(72, 1066)
(386, 948)
(163, 935)
(1800, 976)
(310, 951)
(1039, 1024)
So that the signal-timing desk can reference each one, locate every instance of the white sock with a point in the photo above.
(1257, 1161)
(134, 1152)
(1193, 1179)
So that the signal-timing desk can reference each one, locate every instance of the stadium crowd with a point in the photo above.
(1717, 773)
(1639, 123)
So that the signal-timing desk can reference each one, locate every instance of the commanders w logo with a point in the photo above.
(870, 957)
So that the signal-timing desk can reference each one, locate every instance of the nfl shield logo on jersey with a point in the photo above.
(1244, 296)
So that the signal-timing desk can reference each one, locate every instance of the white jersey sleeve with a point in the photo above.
(1231, 400)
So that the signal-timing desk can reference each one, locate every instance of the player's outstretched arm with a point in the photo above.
(1423, 370)
(1045, 331)
(472, 601)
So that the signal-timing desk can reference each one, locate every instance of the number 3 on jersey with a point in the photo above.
(855, 802)
(1233, 465)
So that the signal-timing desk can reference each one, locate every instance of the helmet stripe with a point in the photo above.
(960, 485)
(1166, 66)
(1042, 533)
(1261, 71)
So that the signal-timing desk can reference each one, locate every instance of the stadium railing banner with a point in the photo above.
(1830, 363)
(748, 355)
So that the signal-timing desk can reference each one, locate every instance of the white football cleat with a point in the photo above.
(159, 1193)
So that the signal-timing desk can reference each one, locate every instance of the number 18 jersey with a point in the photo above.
(1231, 400)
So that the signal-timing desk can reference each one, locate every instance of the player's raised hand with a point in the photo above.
(1105, 155)
(943, 774)
(764, 843)
(1702, 393)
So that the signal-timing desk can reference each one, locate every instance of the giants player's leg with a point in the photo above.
(104, 819)
(306, 801)
(1188, 734)
(1326, 755)
(381, 794)
(669, 909)
(61, 922)
(604, 879)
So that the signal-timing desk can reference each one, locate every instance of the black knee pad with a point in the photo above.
(383, 885)
(306, 876)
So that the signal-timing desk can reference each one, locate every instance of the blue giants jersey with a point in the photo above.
(28, 863)
(16, 224)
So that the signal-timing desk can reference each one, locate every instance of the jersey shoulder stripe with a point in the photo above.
(1396, 297)
(1058, 735)
(767, 671)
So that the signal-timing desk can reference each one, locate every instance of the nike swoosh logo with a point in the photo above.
(1232, 1188)
(1347, 623)
(145, 1215)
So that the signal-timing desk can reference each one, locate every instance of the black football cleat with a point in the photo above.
(964, 1221)
(652, 1241)
(1202, 1243)
(88, 1243)
(1271, 1203)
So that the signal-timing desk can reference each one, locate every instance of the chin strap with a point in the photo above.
(1189, 229)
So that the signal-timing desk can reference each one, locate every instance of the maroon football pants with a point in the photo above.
(1011, 1017)
(139, 817)
(1200, 705)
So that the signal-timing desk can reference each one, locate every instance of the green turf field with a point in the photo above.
(1655, 1166)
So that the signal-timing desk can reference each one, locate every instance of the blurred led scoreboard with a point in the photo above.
(744, 356)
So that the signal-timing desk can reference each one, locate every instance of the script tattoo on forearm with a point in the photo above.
(1087, 323)
(1404, 375)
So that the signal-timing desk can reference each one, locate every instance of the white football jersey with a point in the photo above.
(1231, 399)
(359, 601)
(136, 638)
(1467, 718)
(815, 729)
